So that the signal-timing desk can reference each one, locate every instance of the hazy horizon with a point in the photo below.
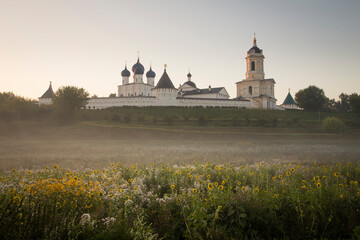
(86, 43)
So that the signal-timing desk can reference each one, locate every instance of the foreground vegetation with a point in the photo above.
(200, 201)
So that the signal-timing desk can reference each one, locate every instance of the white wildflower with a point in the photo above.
(128, 202)
(85, 219)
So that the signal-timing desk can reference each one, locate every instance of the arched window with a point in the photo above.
(252, 66)
(250, 90)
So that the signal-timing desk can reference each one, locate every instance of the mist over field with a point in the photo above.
(159, 173)
(96, 146)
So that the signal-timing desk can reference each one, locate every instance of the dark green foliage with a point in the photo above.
(247, 120)
(169, 120)
(333, 125)
(127, 118)
(311, 98)
(354, 101)
(202, 121)
(14, 107)
(67, 100)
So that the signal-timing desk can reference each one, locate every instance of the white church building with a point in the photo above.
(253, 92)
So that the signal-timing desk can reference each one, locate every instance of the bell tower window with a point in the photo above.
(252, 66)
(250, 90)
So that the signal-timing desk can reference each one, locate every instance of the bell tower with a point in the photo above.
(255, 63)
(256, 86)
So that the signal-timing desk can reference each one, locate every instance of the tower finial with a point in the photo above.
(138, 56)
(254, 41)
(165, 65)
(125, 63)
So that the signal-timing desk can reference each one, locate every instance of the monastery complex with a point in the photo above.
(253, 92)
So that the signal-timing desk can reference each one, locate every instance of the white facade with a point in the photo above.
(255, 86)
(253, 92)
(47, 97)
(45, 101)
(134, 89)
(167, 99)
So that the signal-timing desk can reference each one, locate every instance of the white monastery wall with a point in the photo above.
(166, 99)
(45, 101)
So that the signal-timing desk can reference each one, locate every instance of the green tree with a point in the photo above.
(344, 103)
(311, 98)
(354, 100)
(14, 107)
(67, 100)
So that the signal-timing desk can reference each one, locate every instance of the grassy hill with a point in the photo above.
(217, 117)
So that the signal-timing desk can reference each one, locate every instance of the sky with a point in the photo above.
(86, 43)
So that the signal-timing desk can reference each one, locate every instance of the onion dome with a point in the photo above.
(138, 68)
(150, 74)
(189, 75)
(125, 73)
(254, 49)
(190, 83)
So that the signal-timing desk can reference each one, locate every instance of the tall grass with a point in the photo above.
(200, 201)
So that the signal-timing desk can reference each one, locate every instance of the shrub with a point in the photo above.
(235, 121)
(202, 121)
(333, 125)
(169, 120)
(141, 119)
(247, 120)
(115, 117)
(127, 118)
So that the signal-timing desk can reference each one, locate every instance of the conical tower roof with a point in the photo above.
(289, 100)
(49, 93)
(165, 81)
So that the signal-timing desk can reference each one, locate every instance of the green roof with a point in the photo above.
(289, 100)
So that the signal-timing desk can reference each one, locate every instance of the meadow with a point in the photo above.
(105, 178)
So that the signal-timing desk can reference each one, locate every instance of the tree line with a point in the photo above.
(313, 98)
(69, 99)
